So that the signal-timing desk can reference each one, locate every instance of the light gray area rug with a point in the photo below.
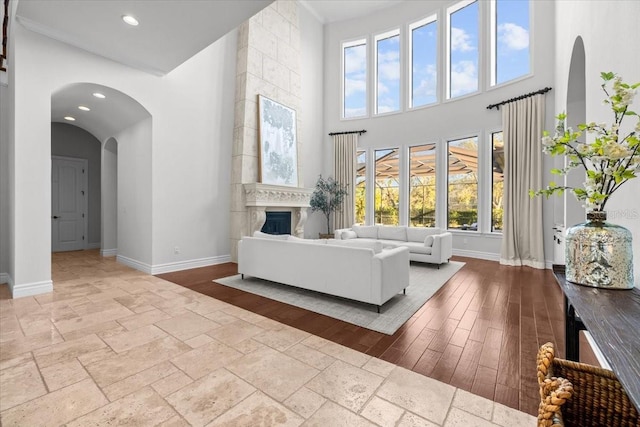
(424, 281)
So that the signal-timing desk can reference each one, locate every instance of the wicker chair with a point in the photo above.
(598, 397)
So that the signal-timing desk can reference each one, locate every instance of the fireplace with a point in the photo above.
(263, 200)
(277, 223)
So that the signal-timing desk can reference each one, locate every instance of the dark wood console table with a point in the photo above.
(613, 319)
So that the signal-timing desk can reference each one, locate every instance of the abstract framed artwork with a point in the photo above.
(278, 143)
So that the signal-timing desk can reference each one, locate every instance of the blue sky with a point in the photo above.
(388, 75)
(424, 51)
(512, 52)
(513, 40)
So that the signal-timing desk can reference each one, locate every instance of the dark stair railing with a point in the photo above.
(5, 25)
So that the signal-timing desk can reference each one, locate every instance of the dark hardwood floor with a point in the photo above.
(480, 332)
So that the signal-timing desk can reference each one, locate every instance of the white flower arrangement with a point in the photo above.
(609, 160)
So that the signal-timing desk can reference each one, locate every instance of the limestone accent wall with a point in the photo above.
(268, 64)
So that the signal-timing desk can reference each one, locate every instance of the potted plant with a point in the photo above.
(327, 198)
(598, 254)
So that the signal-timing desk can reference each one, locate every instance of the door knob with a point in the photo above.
(55, 217)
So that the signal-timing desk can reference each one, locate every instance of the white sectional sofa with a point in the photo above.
(430, 245)
(361, 271)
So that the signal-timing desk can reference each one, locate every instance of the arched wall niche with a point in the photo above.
(576, 114)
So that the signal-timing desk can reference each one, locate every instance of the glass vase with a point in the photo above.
(599, 254)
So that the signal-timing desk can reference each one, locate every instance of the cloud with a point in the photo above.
(513, 36)
(352, 86)
(461, 41)
(389, 65)
(464, 78)
(355, 59)
(386, 109)
(427, 80)
(382, 88)
(355, 112)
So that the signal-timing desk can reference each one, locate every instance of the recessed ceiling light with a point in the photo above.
(130, 20)
(83, 108)
(99, 95)
(71, 119)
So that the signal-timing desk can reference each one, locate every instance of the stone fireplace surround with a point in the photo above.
(268, 64)
(261, 198)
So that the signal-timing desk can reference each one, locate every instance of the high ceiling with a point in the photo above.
(339, 10)
(169, 33)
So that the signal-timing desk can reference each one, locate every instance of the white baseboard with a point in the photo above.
(172, 266)
(29, 289)
(93, 245)
(4, 278)
(186, 265)
(109, 252)
(476, 254)
(129, 262)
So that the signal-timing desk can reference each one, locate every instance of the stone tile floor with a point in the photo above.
(114, 346)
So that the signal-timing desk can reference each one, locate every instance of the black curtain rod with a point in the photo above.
(517, 98)
(360, 132)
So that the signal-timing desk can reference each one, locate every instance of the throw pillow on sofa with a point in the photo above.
(366, 231)
(349, 234)
(392, 233)
(418, 234)
(428, 241)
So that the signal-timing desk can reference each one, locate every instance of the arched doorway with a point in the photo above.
(108, 115)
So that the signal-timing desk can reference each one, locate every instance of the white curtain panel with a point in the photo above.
(522, 237)
(344, 172)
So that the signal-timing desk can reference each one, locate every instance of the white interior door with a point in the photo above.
(68, 203)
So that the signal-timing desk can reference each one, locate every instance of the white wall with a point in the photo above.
(610, 33)
(109, 193)
(192, 142)
(312, 135)
(72, 141)
(192, 128)
(449, 119)
(4, 183)
(135, 215)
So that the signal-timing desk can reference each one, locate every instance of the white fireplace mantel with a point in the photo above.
(260, 197)
(258, 194)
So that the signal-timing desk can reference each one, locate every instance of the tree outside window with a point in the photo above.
(387, 190)
(462, 188)
(422, 181)
(497, 187)
(361, 187)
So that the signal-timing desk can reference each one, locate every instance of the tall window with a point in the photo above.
(361, 186)
(509, 40)
(423, 62)
(387, 72)
(462, 48)
(354, 84)
(387, 193)
(422, 185)
(497, 187)
(462, 208)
